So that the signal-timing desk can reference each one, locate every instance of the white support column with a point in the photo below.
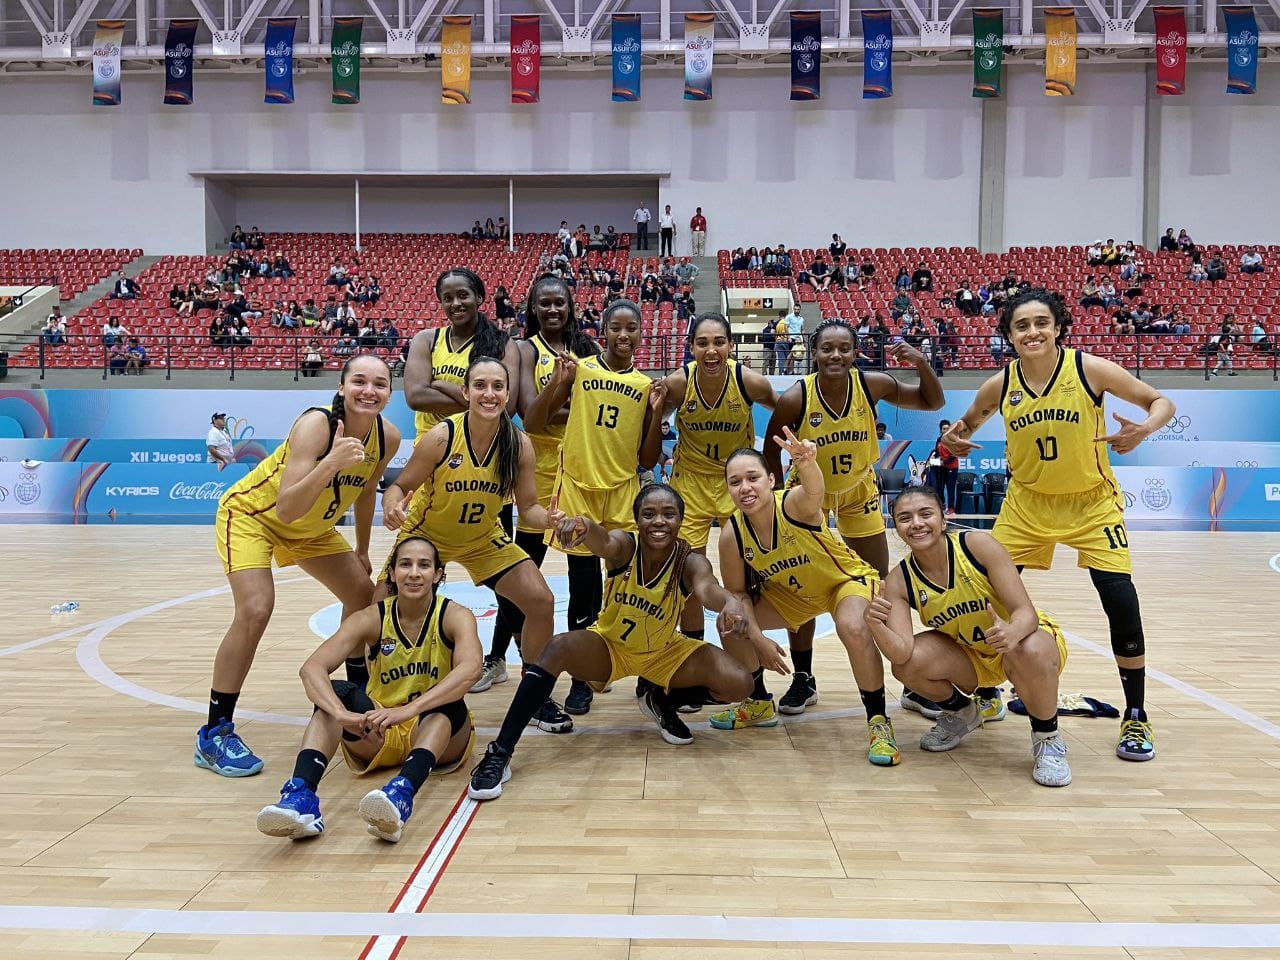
(141, 13)
(357, 214)
(1025, 21)
(490, 16)
(511, 214)
(313, 21)
(664, 20)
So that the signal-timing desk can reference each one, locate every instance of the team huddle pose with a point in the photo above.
(590, 423)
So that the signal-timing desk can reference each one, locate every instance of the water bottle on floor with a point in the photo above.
(69, 606)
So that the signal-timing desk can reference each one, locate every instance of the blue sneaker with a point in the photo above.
(386, 811)
(297, 815)
(222, 751)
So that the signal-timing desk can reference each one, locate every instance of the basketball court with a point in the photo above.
(608, 843)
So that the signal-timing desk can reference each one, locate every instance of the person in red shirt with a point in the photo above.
(698, 232)
(945, 468)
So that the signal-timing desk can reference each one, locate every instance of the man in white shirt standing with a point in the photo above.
(219, 441)
(666, 232)
(642, 216)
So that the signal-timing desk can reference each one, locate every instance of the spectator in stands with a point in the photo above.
(176, 296)
(947, 341)
(1185, 243)
(1089, 294)
(1222, 345)
(503, 308)
(238, 305)
(967, 301)
(344, 347)
(852, 274)
(590, 320)
(987, 299)
(819, 274)
(685, 307)
(837, 247)
(476, 233)
(504, 232)
(238, 240)
(118, 358)
(1093, 254)
(54, 331)
(579, 242)
(922, 279)
(312, 359)
(125, 288)
(868, 268)
(279, 315)
(1169, 243)
(337, 274)
(882, 432)
(596, 240)
(901, 303)
(782, 261)
(1215, 269)
(209, 298)
(999, 347)
(563, 236)
(1122, 322)
(781, 342)
(686, 271)
(256, 240)
(612, 239)
(903, 280)
(641, 218)
(1197, 273)
(666, 232)
(649, 291)
(1258, 338)
(219, 336)
(388, 336)
(367, 336)
(768, 343)
(1107, 291)
(1251, 261)
(280, 266)
(795, 333)
(113, 332)
(490, 229)
(665, 293)
(1110, 253)
(1141, 318)
(698, 233)
(1178, 326)
(838, 278)
(738, 260)
(137, 357)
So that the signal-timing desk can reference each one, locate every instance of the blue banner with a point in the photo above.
(806, 55)
(279, 59)
(877, 54)
(625, 39)
(179, 62)
(1242, 49)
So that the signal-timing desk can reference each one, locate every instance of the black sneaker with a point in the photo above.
(803, 693)
(654, 706)
(493, 770)
(578, 702)
(921, 705)
(643, 686)
(552, 719)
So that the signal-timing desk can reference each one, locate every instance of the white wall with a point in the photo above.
(903, 171)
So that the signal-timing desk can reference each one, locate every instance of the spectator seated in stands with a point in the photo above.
(1169, 243)
(612, 239)
(118, 358)
(490, 229)
(837, 247)
(125, 288)
(1110, 253)
(1122, 322)
(1090, 296)
(337, 275)
(780, 265)
(903, 280)
(256, 240)
(686, 271)
(649, 291)
(819, 274)
(1107, 291)
(596, 241)
(868, 269)
(901, 304)
(237, 305)
(312, 359)
(1251, 261)
(209, 298)
(368, 335)
(922, 279)
(738, 260)
(1197, 273)
(113, 332)
(219, 332)
(238, 239)
(1259, 340)
(967, 301)
(137, 357)
(54, 331)
(280, 266)
(1093, 254)
(374, 290)
(281, 318)
(685, 306)
(177, 295)
(503, 308)
(1177, 326)
(1215, 269)
(476, 233)
(241, 336)
(1185, 243)
(344, 347)
(504, 232)
(388, 336)
(1141, 318)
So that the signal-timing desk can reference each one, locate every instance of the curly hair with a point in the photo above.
(682, 547)
(575, 341)
(489, 340)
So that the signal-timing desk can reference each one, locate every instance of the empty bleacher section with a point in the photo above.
(74, 271)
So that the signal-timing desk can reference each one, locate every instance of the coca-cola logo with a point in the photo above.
(209, 490)
(525, 48)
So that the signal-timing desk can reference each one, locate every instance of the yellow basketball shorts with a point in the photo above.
(1031, 525)
(397, 744)
(546, 466)
(706, 501)
(798, 609)
(856, 508)
(657, 666)
(990, 669)
(245, 543)
(611, 508)
(486, 559)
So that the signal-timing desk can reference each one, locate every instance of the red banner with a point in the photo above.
(526, 57)
(1171, 51)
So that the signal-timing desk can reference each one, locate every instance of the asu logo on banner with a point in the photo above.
(699, 50)
(179, 62)
(278, 64)
(1242, 49)
(806, 55)
(455, 60)
(1171, 51)
(526, 57)
(625, 41)
(1059, 51)
(107, 40)
(877, 54)
(988, 51)
(344, 49)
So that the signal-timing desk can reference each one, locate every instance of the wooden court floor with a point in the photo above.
(610, 844)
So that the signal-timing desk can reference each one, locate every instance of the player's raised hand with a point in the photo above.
(571, 531)
(657, 395)
(801, 451)
(879, 608)
(997, 635)
(565, 369)
(346, 451)
(1127, 437)
(393, 508)
(904, 353)
(957, 444)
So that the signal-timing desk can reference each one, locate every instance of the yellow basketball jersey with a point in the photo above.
(846, 437)
(644, 615)
(806, 560)
(403, 668)
(546, 442)
(1050, 436)
(708, 429)
(449, 365)
(256, 493)
(957, 608)
(606, 421)
(460, 504)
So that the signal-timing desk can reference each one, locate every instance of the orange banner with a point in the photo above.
(1059, 51)
(455, 60)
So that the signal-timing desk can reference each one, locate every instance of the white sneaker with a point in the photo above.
(951, 728)
(1050, 753)
(495, 671)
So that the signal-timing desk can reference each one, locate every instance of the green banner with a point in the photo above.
(346, 59)
(988, 51)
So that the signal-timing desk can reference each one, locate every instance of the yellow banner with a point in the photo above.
(1059, 51)
(455, 60)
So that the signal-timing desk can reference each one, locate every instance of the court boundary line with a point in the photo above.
(642, 927)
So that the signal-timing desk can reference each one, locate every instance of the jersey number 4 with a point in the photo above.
(607, 416)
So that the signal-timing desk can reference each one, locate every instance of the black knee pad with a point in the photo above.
(455, 712)
(1120, 603)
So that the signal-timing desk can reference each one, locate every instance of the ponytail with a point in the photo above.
(575, 341)
(507, 442)
(489, 340)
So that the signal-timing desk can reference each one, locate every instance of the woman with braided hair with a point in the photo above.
(651, 575)
(287, 509)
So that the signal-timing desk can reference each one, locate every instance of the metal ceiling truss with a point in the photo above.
(404, 34)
